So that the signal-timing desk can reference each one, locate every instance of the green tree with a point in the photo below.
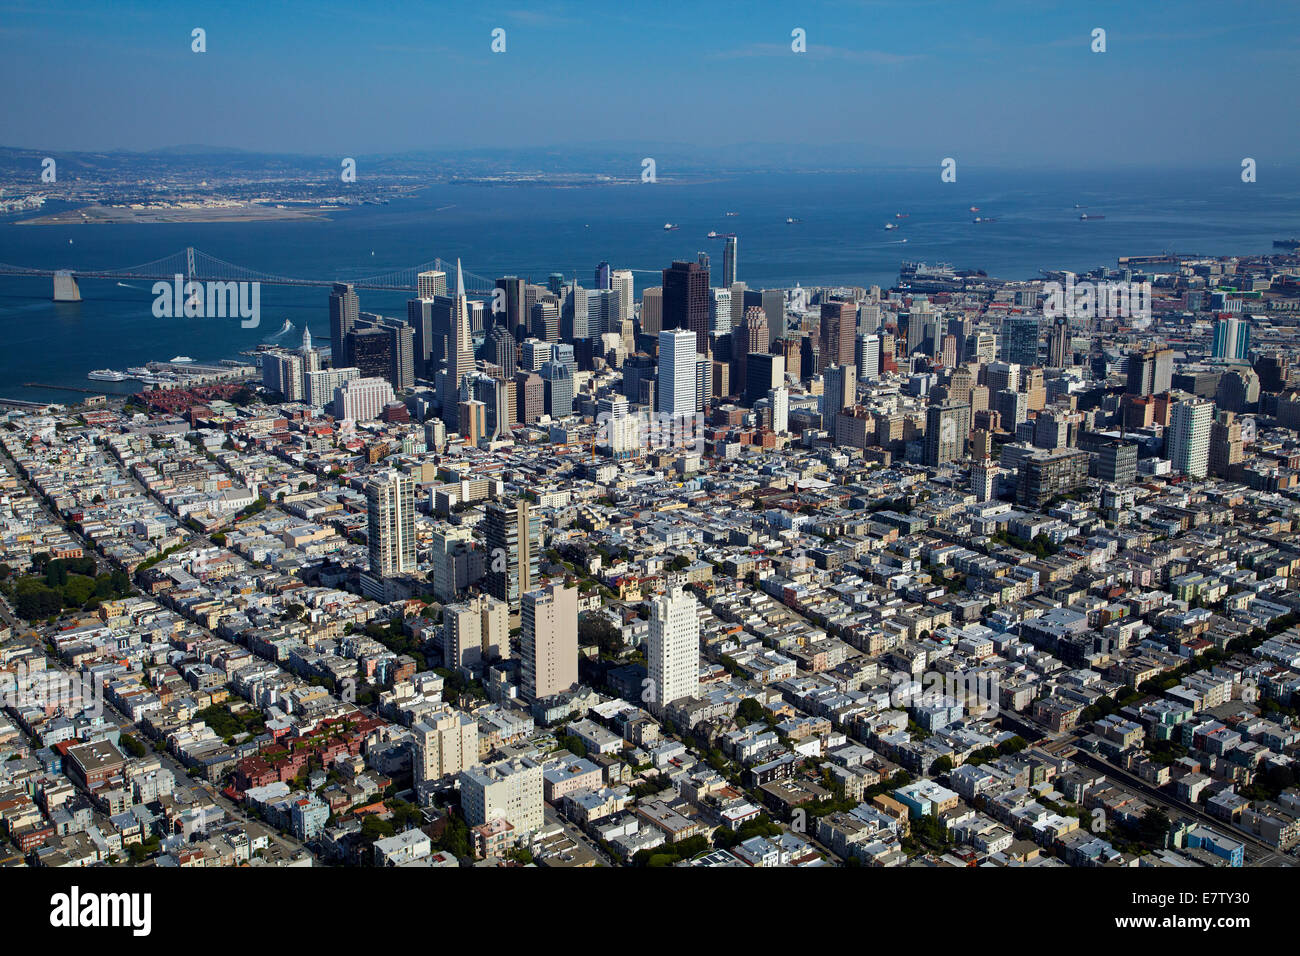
(750, 711)
(1154, 826)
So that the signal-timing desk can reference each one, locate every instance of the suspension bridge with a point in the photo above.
(194, 265)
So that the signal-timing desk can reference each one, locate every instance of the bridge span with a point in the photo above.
(194, 265)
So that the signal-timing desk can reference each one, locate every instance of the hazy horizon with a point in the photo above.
(1013, 84)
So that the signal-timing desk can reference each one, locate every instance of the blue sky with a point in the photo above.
(1006, 83)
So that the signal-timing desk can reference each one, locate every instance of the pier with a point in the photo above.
(68, 388)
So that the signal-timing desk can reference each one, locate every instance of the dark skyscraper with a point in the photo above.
(515, 318)
(810, 362)
(946, 429)
(419, 316)
(686, 301)
(499, 349)
(762, 373)
(1273, 369)
(433, 321)
(1150, 371)
(401, 347)
(839, 325)
(750, 336)
(371, 351)
(1019, 339)
(602, 276)
(344, 309)
(1058, 345)
(513, 535)
(959, 328)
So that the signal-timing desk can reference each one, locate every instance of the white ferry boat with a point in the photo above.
(107, 375)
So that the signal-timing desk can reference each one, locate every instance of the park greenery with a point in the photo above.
(61, 583)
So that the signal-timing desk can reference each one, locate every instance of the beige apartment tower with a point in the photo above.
(549, 641)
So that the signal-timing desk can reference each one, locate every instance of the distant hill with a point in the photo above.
(613, 159)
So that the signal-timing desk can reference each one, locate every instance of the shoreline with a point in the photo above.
(115, 215)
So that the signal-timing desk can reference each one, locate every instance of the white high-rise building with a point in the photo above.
(362, 399)
(620, 429)
(456, 562)
(620, 280)
(283, 372)
(310, 357)
(984, 479)
(1188, 438)
(869, 317)
(868, 357)
(676, 392)
(780, 399)
(319, 385)
(390, 524)
(673, 648)
(548, 641)
(446, 743)
(431, 283)
(720, 311)
(729, 261)
(536, 353)
(475, 632)
(509, 790)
